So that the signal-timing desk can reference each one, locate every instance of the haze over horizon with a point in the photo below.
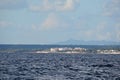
(51, 21)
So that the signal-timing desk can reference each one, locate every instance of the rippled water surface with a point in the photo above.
(27, 66)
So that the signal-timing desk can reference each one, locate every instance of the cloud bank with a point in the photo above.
(112, 8)
(13, 4)
(51, 22)
(5, 24)
(55, 5)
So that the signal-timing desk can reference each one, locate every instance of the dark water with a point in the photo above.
(53, 46)
(32, 66)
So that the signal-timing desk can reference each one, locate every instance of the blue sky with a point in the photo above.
(51, 21)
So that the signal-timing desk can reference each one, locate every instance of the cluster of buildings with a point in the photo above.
(63, 50)
(68, 50)
(78, 50)
(108, 51)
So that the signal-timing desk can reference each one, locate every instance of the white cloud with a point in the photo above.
(118, 36)
(112, 11)
(69, 5)
(104, 36)
(5, 24)
(13, 4)
(52, 22)
(41, 7)
(34, 27)
(55, 5)
(112, 8)
(117, 32)
(100, 32)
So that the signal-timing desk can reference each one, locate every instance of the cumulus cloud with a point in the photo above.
(100, 32)
(112, 8)
(105, 32)
(112, 11)
(117, 27)
(55, 5)
(5, 24)
(12, 4)
(52, 22)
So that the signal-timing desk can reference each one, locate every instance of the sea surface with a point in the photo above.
(17, 63)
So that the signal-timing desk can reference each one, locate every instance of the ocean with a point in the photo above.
(21, 62)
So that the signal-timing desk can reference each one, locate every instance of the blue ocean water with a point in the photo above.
(17, 65)
(60, 46)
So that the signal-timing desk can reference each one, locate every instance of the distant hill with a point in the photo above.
(82, 42)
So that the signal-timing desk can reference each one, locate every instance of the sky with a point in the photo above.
(52, 21)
